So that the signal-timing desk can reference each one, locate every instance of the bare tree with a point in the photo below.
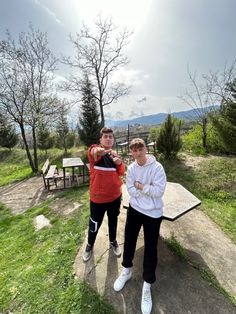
(26, 78)
(222, 86)
(200, 100)
(214, 90)
(14, 92)
(218, 83)
(99, 55)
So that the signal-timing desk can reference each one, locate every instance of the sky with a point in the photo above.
(168, 37)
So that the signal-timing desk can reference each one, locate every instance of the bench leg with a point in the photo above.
(45, 183)
(48, 184)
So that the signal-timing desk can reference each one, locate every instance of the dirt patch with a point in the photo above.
(23, 195)
(195, 161)
(64, 207)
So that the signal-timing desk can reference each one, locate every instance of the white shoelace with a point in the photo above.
(124, 274)
(147, 295)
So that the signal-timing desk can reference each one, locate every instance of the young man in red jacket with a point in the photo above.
(105, 190)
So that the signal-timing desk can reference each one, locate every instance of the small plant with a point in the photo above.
(175, 246)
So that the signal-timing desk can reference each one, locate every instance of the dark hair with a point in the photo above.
(137, 143)
(105, 130)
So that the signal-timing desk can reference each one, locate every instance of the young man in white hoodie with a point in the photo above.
(146, 182)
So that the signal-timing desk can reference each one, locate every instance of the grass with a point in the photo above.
(15, 166)
(36, 268)
(205, 273)
(213, 181)
(175, 246)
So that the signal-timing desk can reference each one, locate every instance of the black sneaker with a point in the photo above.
(116, 249)
(87, 253)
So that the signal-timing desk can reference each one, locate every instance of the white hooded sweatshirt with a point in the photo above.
(152, 175)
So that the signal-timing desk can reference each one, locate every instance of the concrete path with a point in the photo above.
(22, 195)
(25, 194)
(179, 287)
(206, 244)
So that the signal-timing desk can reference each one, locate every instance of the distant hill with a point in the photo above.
(158, 118)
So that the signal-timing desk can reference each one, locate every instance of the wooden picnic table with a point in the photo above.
(177, 200)
(72, 163)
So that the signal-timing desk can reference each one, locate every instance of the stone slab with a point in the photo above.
(41, 221)
(177, 200)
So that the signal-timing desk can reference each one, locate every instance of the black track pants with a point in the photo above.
(151, 228)
(97, 212)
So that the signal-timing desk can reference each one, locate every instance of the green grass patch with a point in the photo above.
(213, 181)
(15, 165)
(36, 268)
(175, 246)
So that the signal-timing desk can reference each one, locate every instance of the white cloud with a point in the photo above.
(132, 108)
(132, 77)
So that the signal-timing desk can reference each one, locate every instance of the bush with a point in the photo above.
(192, 141)
(169, 142)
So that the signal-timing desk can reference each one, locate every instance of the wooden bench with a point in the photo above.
(50, 174)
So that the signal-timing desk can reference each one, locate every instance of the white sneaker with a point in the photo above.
(115, 248)
(125, 275)
(87, 253)
(146, 304)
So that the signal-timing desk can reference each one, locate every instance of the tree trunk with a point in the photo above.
(27, 148)
(102, 114)
(65, 146)
(204, 133)
(35, 149)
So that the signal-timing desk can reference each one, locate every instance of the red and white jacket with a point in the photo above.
(105, 181)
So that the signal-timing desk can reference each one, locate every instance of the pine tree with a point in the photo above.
(8, 136)
(45, 140)
(225, 120)
(169, 141)
(89, 119)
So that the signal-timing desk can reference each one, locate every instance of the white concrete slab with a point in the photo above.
(177, 200)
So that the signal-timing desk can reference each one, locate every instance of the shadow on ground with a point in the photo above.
(179, 287)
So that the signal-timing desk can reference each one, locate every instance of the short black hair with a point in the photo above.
(105, 130)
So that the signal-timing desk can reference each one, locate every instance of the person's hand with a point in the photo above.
(113, 153)
(116, 158)
(117, 161)
(138, 185)
(99, 151)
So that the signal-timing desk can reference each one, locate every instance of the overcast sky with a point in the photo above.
(168, 36)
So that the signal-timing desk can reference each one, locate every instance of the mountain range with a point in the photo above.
(159, 118)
